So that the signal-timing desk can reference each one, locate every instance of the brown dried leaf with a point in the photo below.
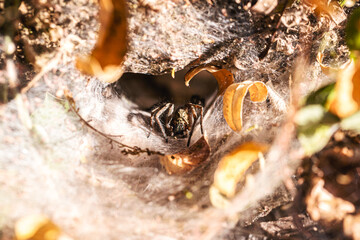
(222, 76)
(188, 159)
(346, 100)
(264, 6)
(325, 207)
(234, 98)
(37, 227)
(233, 166)
(105, 61)
(327, 70)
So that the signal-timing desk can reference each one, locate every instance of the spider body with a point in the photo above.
(179, 123)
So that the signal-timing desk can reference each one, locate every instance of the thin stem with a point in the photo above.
(133, 150)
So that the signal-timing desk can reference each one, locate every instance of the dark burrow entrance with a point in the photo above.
(147, 90)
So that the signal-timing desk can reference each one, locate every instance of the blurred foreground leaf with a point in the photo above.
(346, 100)
(217, 198)
(232, 167)
(315, 138)
(315, 126)
(309, 115)
(351, 123)
(105, 61)
(312, 115)
(351, 226)
(234, 98)
(37, 227)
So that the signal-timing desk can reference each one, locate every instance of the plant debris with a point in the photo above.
(233, 166)
(234, 98)
(187, 159)
(222, 76)
(37, 227)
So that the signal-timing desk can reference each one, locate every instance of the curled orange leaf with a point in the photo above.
(234, 98)
(105, 61)
(187, 159)
(222, 76)
(232, 167)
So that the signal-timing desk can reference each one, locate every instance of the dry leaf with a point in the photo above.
(105, 61)
(222, 76)
(346, 100)
(325, 207)
(234, 98)
(329, 71)
(333, 9)
(352, 226)
(37, 227)
(233, 166)
(264, 6)
(188, 159)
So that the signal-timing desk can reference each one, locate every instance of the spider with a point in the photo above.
(181, 123)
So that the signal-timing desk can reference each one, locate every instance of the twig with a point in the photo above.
(133, 150)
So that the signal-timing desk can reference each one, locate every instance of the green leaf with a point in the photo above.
(312, 115)
(309, 115)
(314, 139)
(352, 31)
(321, 95)
(315, 126)
(351, 123)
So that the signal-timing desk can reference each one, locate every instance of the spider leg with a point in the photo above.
(201, 108)
(152, 118)
(192, 121)
(169, 115)
(155, 117)
(194, 116)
